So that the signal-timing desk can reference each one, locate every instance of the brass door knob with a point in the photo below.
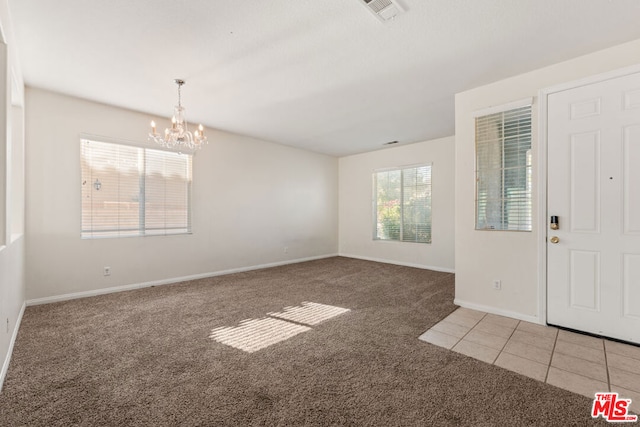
(554, 239)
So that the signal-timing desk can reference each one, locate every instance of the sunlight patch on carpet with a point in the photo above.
(309, 313)
(255, 334)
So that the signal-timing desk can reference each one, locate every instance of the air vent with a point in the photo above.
(384, 10)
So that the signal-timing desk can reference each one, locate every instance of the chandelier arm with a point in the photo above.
(179, 136)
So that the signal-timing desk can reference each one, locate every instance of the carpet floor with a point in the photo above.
(145, 358)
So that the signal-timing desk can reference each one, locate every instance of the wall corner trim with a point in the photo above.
(503, 107)
(14, 336)
(404, 264)
(499, 311)
(104, 291)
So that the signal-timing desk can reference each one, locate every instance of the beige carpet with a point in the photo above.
(146, 358)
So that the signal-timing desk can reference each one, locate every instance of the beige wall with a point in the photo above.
(251, 200)
(512, 257)
(356, 205)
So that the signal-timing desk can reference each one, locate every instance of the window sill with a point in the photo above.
(385, 241)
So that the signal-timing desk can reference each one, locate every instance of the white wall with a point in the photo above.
(356, 205)
(251, 199)
(12, 243)
(12, 298)
(483, 256)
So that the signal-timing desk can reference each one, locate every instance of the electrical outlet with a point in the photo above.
(286, 249)
(107, 271)
(497, 285)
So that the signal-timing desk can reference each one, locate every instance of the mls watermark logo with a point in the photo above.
(612, 408)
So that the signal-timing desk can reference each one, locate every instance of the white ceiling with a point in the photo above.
(323, 75)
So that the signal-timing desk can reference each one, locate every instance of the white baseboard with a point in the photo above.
(498, 311)
(14, 336)
(404, 264)
(103, 291)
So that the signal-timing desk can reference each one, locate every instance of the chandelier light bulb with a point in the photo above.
(179, 136)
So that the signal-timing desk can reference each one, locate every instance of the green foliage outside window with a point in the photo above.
(403, 204)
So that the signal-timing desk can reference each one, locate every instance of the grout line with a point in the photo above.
(467, 333)
(499, 352)
(473, 327)
(606, 364)
(578, 356)
(553, 352)
(476, 324)
(507, 342)
(498, 325)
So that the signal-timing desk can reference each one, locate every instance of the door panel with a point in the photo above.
(593, 269)
(632, 99)
(585, 280)
(585, 182)
(631, 279)
(631, 180)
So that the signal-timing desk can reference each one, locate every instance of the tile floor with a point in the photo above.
(578, 363)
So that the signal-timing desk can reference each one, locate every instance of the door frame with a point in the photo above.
(543, 178)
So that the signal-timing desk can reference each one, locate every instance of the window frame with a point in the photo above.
(401, 238)
(527, 168)
(142, 229)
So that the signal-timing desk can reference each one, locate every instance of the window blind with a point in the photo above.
(167, 192)
(503, 170)
(403, 204)
(416, 197)
(133, 191)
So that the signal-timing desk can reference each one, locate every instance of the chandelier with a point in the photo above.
(179, 136)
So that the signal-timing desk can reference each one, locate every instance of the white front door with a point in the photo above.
(593, 270)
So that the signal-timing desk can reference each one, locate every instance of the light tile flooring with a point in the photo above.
(575, 362)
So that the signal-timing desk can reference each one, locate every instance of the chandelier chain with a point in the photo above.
(180, 83)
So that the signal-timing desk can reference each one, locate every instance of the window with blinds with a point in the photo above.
(134, 191)
(402, 199)
(503, 170)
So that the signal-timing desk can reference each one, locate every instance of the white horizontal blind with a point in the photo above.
(110, 189)
(167, 192)
(132, 191)
(503, 170)
(402, 208)
(416, 204)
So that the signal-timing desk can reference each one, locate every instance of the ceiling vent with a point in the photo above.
(384, 10)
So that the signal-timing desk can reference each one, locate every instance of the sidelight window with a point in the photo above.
(503, 170)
